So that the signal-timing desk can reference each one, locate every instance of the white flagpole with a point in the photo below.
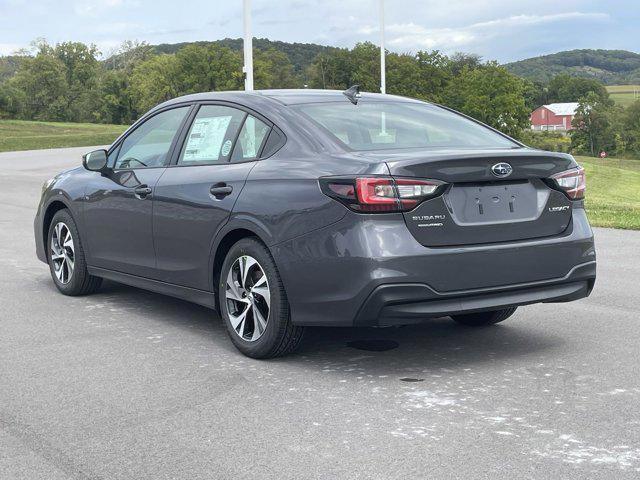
(383, 79)
(383, 70)
(248, 47)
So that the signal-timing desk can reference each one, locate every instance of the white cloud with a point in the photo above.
(9, 48)
(411, 35)
(93, 8)
(517, 20)
(367, 30)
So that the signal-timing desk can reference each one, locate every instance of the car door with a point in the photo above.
(119, 204)
(195, 196)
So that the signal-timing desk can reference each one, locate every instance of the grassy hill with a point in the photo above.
(617, 207)
(624, 94)
(612, 67)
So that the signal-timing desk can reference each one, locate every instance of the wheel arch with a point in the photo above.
(54, 207)
(226, 238)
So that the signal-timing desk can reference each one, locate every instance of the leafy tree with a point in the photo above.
(272, 69)
(423, 75)
(117, 102)
(535, 94)
(128, 55)
(630, 128)
(331, 70)
(459, 61)
(39, 88)
(192, 69)
(342, 68)
(206, 69)
(11, 100)
(58, 83)
(564, 88)
(365, 62)
(9, 65)
(492, 95)
(155, 81)
(592, 127)
(404, 77)
(81, 75)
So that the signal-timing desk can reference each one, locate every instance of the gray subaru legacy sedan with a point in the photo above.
(290, 208)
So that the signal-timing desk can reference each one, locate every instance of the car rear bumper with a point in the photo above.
(370, 270)
(401, 304)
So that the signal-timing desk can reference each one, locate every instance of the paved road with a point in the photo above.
(127, 384)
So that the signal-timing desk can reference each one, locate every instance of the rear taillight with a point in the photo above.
(380, 194)
(571, 182)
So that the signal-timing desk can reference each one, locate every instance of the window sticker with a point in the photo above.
(205, 139)
(226, 148)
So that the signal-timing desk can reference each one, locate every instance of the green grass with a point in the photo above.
(624, 95)
(25, 135)
(613, 192)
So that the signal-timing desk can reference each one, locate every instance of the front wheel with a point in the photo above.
(66, 257)
(253, 302)
(482, 319)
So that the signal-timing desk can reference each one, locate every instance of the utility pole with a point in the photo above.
(247, 69)
(383, 76)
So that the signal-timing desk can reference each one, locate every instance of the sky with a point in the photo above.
(503, 30)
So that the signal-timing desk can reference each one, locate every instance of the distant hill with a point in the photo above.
(301, 55)
(612, 67)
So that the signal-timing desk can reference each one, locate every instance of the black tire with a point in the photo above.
(78, 282)
(483, 319)
(280, 336)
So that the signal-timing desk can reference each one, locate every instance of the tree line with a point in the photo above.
(69, 82)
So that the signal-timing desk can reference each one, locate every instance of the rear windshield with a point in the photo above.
(387, 125)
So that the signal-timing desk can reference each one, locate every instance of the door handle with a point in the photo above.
(220, 190)
(142, 191)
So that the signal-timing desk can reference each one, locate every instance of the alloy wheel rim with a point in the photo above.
(63, 253)
(248, 298)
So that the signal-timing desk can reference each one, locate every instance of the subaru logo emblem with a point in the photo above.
(502, 170)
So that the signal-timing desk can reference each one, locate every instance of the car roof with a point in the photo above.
(296, 96)
(286, 97)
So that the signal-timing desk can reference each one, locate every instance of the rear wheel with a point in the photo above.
(482, 319)
(253, 302)
(66, 257)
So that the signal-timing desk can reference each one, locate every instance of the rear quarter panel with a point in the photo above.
(282, 195)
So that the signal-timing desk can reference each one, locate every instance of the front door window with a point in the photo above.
(148, 145)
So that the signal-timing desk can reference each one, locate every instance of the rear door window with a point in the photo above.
(252, 136)
(211, 135)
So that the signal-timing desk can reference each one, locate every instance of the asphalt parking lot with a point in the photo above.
(127, 384)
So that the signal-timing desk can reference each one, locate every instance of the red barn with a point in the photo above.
(555, 116)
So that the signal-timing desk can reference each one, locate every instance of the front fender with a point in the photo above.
(61, 191)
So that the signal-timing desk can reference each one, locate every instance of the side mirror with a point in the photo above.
(95, 161)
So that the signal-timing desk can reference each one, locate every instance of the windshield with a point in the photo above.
(386, 125)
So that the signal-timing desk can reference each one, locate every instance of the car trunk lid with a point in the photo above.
(481, 206)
